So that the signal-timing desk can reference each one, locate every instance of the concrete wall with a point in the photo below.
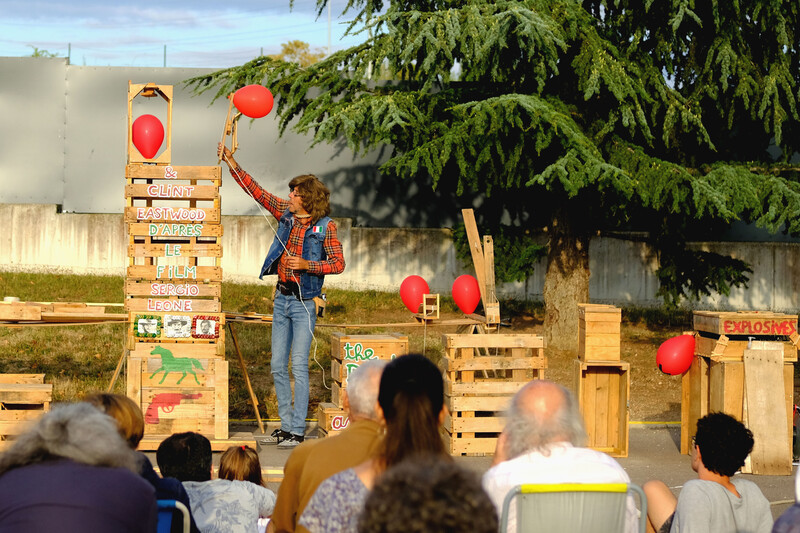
(35, 237)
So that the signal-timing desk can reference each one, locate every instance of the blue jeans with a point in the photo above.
(293, 324)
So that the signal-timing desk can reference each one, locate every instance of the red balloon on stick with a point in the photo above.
(255, 101)
(148, 134)
(466, 293)
(411, 292)
(675, 355)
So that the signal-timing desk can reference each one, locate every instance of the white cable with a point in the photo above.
(263, 210)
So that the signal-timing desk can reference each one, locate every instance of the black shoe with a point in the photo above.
(279, 436)
(292, 441)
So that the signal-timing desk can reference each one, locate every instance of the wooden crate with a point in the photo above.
(599, 332)
(725, 335)
(603, 392)
(349, 351)
(482, 373)
(331, 419)
(23, 399)
(184, 394)
(718, 385)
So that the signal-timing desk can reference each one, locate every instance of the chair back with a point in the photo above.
(167, 510)
(571, 507)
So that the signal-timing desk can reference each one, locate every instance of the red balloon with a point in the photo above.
(148, 134)
(675, 355)
(255, 101)
(466, 293)
(411, 292)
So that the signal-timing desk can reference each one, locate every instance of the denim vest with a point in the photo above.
(310, 284)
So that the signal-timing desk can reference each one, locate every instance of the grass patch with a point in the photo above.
(82, 359)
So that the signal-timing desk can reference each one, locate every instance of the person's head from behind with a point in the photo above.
(185, 456)
(411, 399)
(78, 432)
(425, 494)
(723, 442)
(124, 411)
(542, 413)
(361, 394)
(315, 196)
(240, 463)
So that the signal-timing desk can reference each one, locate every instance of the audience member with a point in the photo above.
(314, 461)
(715, 501)
(542, 443)
(421, 495)
(130, 424)
(241, 463)
(72, 472)
(411, 402)
(789, 521)
(218, 505)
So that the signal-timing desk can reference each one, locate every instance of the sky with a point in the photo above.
(197, 33)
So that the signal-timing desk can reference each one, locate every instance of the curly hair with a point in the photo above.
(316, 196)
(427, 494)
(724, 443)
(241, 463)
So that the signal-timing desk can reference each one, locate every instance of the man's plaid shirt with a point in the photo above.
(334, 264)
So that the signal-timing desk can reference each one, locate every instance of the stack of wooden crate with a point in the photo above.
(23, 399)
(482, 373)
(347, 353)
(718, 378)
(602, 380)
(176, 371)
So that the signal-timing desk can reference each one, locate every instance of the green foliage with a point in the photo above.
(629, 115)
(42, 53)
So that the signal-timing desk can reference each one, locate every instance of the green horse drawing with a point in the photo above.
(170, 363)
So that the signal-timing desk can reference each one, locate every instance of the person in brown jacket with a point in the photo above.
(312, 462)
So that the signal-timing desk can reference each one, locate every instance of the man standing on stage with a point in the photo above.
(304, 250)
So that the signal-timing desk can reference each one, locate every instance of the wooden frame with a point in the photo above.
(150, 90)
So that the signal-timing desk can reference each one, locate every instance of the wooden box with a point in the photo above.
(725, 335)
(599, 332)
(718, 385)
(349, 351)
(331, 419)
(603, 392)
(179, 394)
(482, 373)
(23, 399)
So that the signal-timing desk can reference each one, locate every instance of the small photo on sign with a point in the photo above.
(205, 327)
(177, 326)
(148, 326)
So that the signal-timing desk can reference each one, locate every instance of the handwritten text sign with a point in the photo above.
(759, 327)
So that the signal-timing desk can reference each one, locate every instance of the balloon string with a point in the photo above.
(263, 211)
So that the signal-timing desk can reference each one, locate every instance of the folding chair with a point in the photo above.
(166, 513)
(572, 507)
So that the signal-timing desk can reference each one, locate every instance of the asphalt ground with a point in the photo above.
(653, 453)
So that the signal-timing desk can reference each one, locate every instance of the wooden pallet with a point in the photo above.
(482, 373)
(23, 399)
(603, 391)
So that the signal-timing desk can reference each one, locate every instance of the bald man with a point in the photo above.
(542, 443)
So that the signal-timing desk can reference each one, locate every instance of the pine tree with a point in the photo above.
(671, 117)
